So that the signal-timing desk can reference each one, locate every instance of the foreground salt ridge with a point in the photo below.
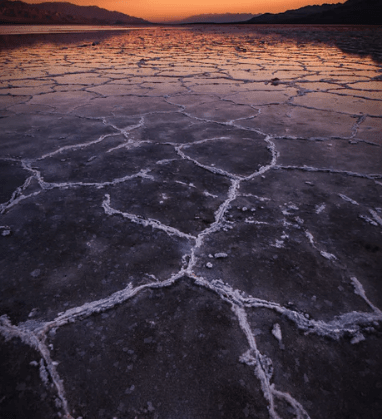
(35, 333)
(348, 323)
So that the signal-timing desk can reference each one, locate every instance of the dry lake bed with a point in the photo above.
(191, 223)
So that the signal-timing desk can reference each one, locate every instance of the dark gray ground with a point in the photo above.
(191, 226)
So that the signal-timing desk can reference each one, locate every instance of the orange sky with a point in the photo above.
(162, 10)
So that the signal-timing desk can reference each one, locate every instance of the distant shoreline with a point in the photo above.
(38, 29)
(67, 28)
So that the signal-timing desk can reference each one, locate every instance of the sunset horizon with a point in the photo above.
(169, 10)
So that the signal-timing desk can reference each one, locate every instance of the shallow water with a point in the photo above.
(52, 29)
(191, 223)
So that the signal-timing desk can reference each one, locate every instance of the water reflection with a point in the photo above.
(44, 29)
(355, 40)
(32, 35)
(197, 58)
(352, 39)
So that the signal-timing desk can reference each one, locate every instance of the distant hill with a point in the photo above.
(62, 13)
(217, 18)
(358, 12)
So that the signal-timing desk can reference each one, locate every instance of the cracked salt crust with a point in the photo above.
(188, 81)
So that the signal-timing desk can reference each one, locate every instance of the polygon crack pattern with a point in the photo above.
(191, 226)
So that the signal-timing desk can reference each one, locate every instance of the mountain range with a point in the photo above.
(62, 13)
(357, 12)
(362, 12)
(216, 18)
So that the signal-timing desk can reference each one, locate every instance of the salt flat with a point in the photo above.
(191, 223)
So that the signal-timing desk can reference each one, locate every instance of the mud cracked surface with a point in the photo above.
(191, 225)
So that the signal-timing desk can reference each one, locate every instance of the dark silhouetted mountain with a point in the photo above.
(62, 13)
(216, 18)
(357, 12)
(89, 12)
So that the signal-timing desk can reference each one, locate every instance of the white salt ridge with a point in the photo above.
(328, 256)
(34, 333)
(204, 166)
(276, 332)
(18, 195)
(142, 174)
(368, 220)
(164, 161)
(264, 371)
(324, 254)
(347, 199)
(125, 132)
(76, 146)
(6, 231)
(128, 145)
(348, 323)
(206, 193)
(288, 224)
(249, 220)
(272, 148)
(285, 212)
(189, 185)
(171, 231)
(217, 224)
(358, 337)
(359, 290)
(260, 198)
(151, 276)
(293, 207)
(104, 304)
(299, 411)
(345, 324)
(325, 170)
(220, 255)
(10, 331)
(279, 244)
(12, 202)
(43, 373)
(320, 208)
(253, 358)
(376, 217)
